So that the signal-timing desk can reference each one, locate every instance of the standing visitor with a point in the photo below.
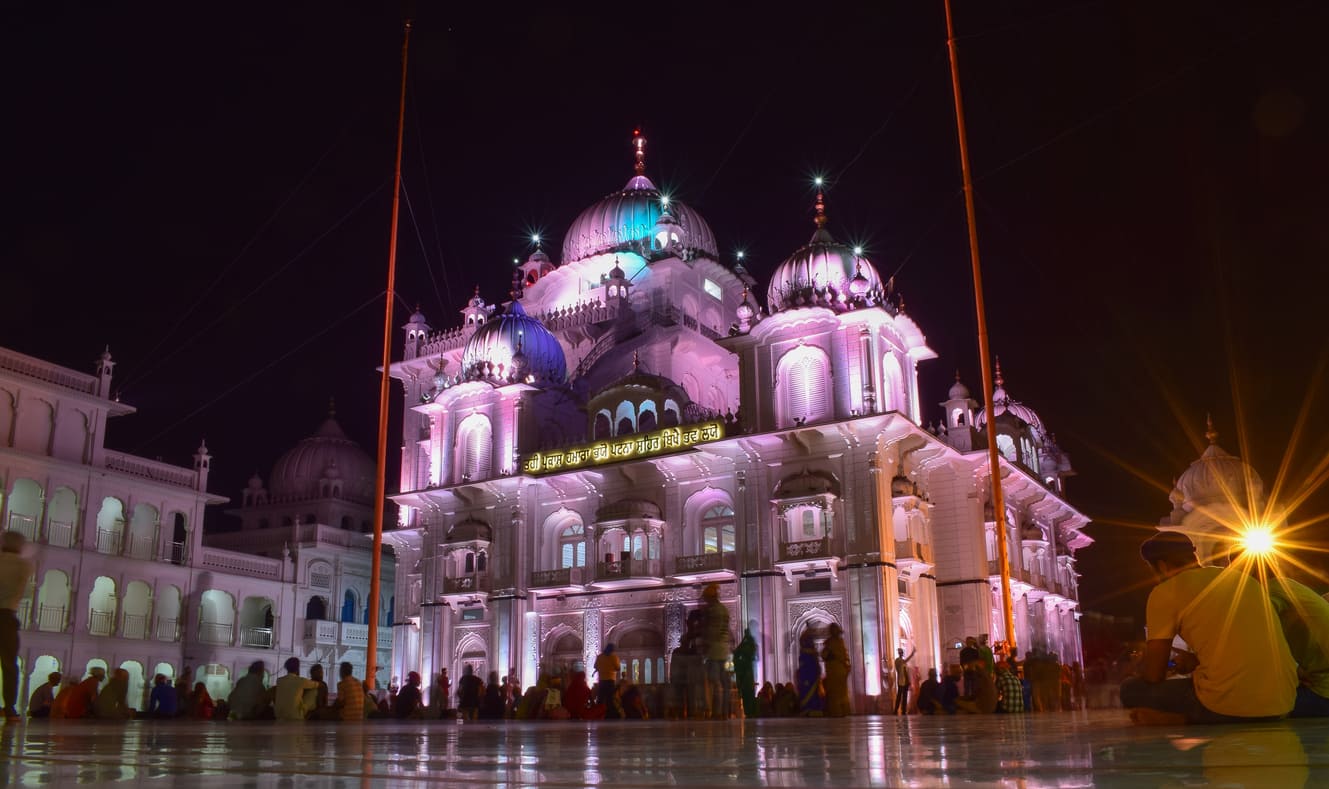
(1010, 692)
(443, 694)
(39, 704)
(469, 689)
(902, 681)
(745, 659)
(15, 572)
(692, 665)
(809, 674)
(985, 652)
(1239, 664)
(719, 647)
(607, 667)
(836, 656)
(184, 695)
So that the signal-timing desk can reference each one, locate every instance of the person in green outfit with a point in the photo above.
(745, 657)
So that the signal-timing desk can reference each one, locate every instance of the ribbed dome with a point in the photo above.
(327, 454)
(958, 390)
(1218, 477)
(1003, 404)
(626, 220)
(512, 346)
(824, 273)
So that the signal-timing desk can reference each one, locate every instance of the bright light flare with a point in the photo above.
(1259, 541)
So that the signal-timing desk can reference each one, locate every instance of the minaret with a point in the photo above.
(417, 331)
(474, 314)
(104, 368)
(960, 407)
(202, 464)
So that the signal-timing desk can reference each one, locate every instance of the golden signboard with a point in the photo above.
(657, 442)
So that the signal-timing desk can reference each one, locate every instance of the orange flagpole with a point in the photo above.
(380, 482)
(984, 352)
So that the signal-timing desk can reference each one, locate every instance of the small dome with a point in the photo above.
(958, 390)
(1218, 477)
(514, 339)
(808, 483)
(1003, 404)
(256, 482)
(823, 273)
(297, 473)
(627, 220)
(470, 530)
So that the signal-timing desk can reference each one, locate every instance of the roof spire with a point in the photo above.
(1001, 381)
(639, 144)
(1209, 431)
(332, 407)
(636, 361)
(820, 205)
(957, 375)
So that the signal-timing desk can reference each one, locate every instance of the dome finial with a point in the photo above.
(639, 144)
(636, 361)
(957, 375)
(1209, 431)
(1001, 380)
(820, 205)
(332, 407)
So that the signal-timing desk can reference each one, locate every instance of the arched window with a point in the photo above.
(602, 427)
(1006, 446)
(803, 378)
(646, 421)
(639, 546)
(475, 443)
(316, 608)
(469, 563)
(348, 607)
(481, 561)
(572, 547)
(893, 398)
(717, 529)
(625, 418)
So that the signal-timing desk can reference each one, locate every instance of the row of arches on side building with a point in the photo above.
(55, 520)
(139, 612)
(351, 612)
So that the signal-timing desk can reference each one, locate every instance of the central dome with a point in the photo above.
(626, 221)
(513, 346)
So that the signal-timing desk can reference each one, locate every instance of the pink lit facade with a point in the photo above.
(522, 543)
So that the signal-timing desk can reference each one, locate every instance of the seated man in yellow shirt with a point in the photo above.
(1239, 664)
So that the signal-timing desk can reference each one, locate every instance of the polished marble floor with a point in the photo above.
(1030, 751)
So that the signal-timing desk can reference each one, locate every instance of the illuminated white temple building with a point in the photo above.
(633, 424)
(123, 574)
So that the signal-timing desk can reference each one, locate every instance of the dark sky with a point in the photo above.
(209, 195)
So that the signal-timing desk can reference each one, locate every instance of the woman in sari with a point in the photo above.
(809, 674)
(836, 656)
(201, 704)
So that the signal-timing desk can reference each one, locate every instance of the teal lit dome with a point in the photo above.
(629, 220)
(513, 346)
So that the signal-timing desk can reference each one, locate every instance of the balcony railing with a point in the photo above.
(60, 533)
(704, 563)
(320, 631)
(23, 524)
(353, 635)
(101, 623)
(805, 549)
(108, 542)
(141, 546)
(216, 632)
(911, 550)
(627, 569)
(466, 583)
(51, 618)
(24, 613)
(566, 576)
(134, 626)
(168, 630)
(260, 637)
(177, 553)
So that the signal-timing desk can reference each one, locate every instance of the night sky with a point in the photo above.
(209, 195)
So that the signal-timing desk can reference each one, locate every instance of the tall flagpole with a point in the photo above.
(984, 352)
(380, 481)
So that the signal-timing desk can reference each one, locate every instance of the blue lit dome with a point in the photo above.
(626, 221)
(824, 273)
(513, 346)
